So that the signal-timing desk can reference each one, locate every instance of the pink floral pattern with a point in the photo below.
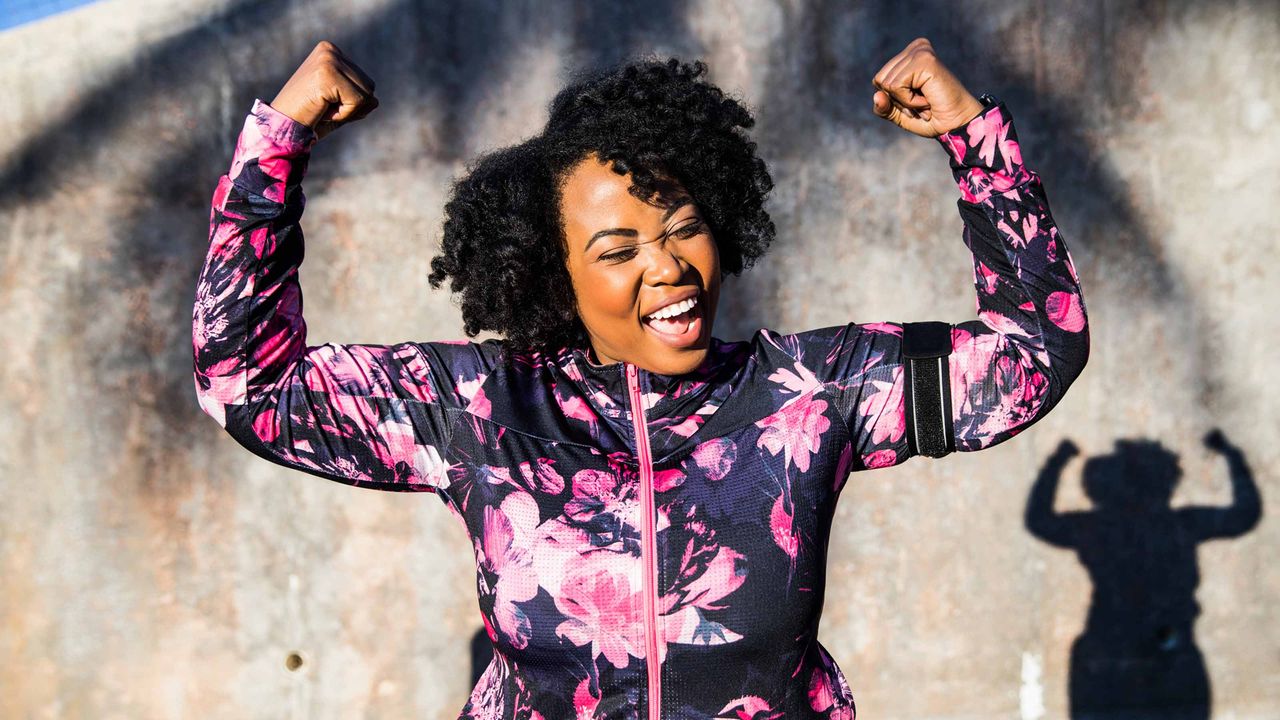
(537, 454)
(505, 554)
(601, 605)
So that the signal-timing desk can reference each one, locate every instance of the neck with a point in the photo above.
(594, 360)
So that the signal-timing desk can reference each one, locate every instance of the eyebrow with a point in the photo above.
(629, 232)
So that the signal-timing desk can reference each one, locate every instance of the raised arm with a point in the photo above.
(369, 415)
(1041, 520)
(1245, 510)
(1012, 364)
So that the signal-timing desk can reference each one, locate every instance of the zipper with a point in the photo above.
(648, 545)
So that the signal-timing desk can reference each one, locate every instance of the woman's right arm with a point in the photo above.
(369, 415)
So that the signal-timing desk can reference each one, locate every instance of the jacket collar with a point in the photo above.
(676, 406)
(564, 397)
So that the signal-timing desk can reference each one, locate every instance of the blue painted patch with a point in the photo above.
(19, 12)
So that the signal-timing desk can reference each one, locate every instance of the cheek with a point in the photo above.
(708, 262)
(606, 295)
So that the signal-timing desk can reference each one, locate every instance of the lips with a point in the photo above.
(681, 330)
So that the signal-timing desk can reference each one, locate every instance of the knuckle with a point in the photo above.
(330, 78)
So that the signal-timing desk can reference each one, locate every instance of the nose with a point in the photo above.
(665, 266)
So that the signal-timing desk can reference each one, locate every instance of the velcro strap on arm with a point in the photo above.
(927, 387)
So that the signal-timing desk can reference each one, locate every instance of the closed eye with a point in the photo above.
(684, 232)
(689, 230)
(621, 255)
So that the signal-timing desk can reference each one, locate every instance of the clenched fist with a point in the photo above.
(326, 91)
(916, 92)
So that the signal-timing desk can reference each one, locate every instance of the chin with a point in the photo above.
(679, 354)
(682, 362)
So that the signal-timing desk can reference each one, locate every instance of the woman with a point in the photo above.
(649, 505)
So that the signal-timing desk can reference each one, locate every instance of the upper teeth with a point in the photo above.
(675, 309)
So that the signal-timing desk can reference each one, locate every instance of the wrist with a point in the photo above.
(972, 109)
(283, 130)
(984, 153)
(298, 112)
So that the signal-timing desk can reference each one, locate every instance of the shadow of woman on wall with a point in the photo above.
(1138, 653)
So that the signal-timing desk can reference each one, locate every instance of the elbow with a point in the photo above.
(1061, 364)
(1041, 391)
(215, 394)
(1055, 379)
(1075, 358)
(214, 388)
(1080, 347)
(1070, 368)
(211, 406)
(1071, 349)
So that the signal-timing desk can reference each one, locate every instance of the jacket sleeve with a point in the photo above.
(368, 415)
(1008, 367)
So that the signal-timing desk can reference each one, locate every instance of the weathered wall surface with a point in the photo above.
(151, 568)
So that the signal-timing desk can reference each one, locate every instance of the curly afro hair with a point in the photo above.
(504, 248)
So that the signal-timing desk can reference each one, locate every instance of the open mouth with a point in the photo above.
(681, 329)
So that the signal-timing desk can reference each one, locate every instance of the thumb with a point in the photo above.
(884, 107)
(880, 104)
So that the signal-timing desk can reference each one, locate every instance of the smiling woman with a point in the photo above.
(647, 285)
(642, 189)
(649, 506)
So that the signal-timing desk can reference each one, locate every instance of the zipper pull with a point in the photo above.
(631, 371)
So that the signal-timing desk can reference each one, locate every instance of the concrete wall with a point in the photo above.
(151, 568)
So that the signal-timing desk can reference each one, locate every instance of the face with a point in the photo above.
(628, 259)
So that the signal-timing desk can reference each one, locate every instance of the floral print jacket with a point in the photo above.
(646, 546)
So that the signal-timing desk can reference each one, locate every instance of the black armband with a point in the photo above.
(927, 388)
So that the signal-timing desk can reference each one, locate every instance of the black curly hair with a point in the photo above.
(504, 247)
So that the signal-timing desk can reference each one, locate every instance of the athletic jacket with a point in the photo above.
(646, 546)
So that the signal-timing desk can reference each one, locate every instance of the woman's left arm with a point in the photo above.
(1030, 341)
